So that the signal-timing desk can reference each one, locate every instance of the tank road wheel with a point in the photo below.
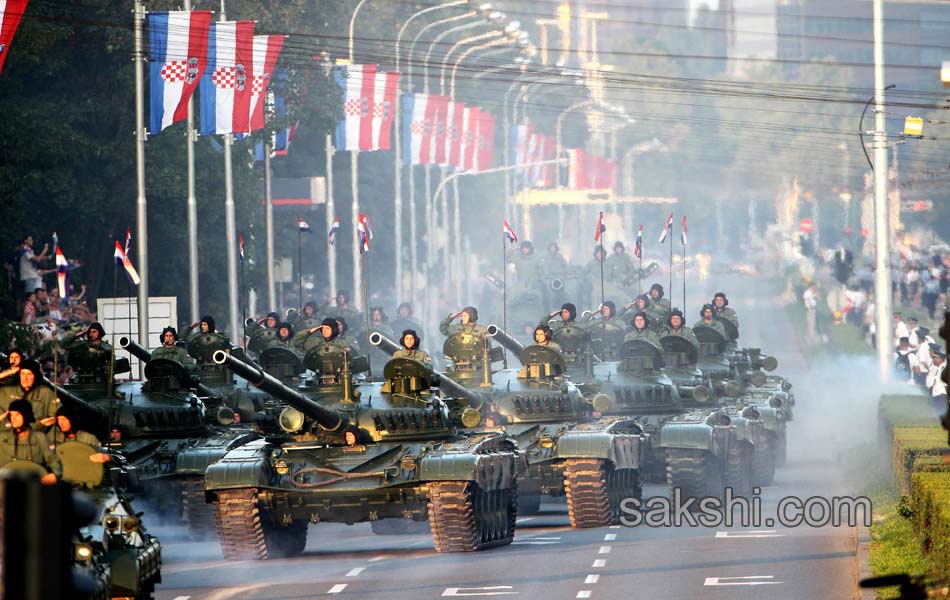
(244, 535)
(198, 515)
(695, 472)
(738, 474)
(763, 461)
(399, 527)
(594, 491)
(465, 518)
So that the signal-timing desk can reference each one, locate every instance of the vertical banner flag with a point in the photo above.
(266, 50)
(601, 227)
(470, 117)
(303, 226)
(62, 268)
(241, 245)
(440, 115)
(638, 248)
(384, 103)
(683, 233)
(331, 235)
(485, 141)
(509, 233)
(226, 84)
(368, 100)
(178, 56)
(417, 128)
(364, 232)
(453, 135)
(11, 11)
(122, 259)
(667, 229)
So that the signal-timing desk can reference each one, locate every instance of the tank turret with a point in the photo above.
(185, 378)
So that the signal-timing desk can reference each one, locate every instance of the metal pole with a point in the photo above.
(141, 205)
(413, 237)
(353, 25)
(397, 185)
(269, 230)
(357, 264)
(331, 216)
(192, 209)
(299, 268)
(504, 290)
(230, 226)
(882, 278)
(457, 228)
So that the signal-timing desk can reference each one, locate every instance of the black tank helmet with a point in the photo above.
(407, 305)
(24, 408)
(613, 308)
(210, 321)
(702, 311)
(415, 344)
(161, 337)
(725, 301)
(646, 298)
(658, 287)
(676, 313)
(646, 320)
(571, 309)
(288, 327)
(472, 313)
(98, 327)
(334, 328)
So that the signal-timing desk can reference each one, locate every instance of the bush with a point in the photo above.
(930, 498)
(910, 444)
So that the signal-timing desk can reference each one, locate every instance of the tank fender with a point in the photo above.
(491, 461)
(624, 450)
(690, 436)
(245, 466)
(197, 459)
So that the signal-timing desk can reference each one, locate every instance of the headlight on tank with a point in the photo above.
(82, 553)
(112, 523)
(471, 418)
(601, 403)
(130, 525)
(291, 420)
(281, 467)
(546, 441)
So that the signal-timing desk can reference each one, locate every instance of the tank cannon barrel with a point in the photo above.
(135, 349)
(384, 343)
(330, 420)
(453, 388)
(505, 340)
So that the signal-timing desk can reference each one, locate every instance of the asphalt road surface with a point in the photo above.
(550, 560)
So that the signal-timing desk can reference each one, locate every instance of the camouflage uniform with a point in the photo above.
(57, 437)
(35, 449)
(174, 353)
(416, 355)
(644, 335)
(41, 397)
(71, 342)
(446, 328)
(713, 324)
(685, 333)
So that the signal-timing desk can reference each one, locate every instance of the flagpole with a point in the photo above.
(354, 183)
(230, 226)
(141, 204)
(603, 259)
(504, 291)
(640, 269)
(684, 279)
(243, 291)
(369, 364)
(115, 291)
(670, 235)
(299, 268)
(331, 216)
(269, 230)
(192, 207)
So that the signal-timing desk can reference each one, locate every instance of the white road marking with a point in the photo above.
(182, 597)
(337, 588)
(525, 519)
(476, 591)
(592, 579)
(748, 580)
(614, 527)
(532, 543)
(610, 537)
(599, 563)
(355, 572)
(379, 558)
(604, 550)
(583, 594)
(755, 533)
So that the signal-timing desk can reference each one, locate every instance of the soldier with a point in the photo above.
(542, 337)
(345, 336)
(410, 348)
(721, 304)
(644, 303)
(307, 318)
(618, 266)
(170, 351)
(255, 328)
(378, 321)
(284, 337)
(204, 326)
(527, 267)
(14, 359)
(91, 338)
(329, 331)
(678, 327)
(641, 330)
(29, 387)
(657, 299)
(553, 263)
(344, 310)
(568, 313)
(607, 313)
(21, 442)
(66, 430)
(468, 323)
(404, 320)
(707, 316)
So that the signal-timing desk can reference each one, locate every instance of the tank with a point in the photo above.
(570, 451)
(348, 453)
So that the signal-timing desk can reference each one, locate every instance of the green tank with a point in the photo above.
(348, 453)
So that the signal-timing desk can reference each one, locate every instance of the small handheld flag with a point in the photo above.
(128, 239)
(121, 258)
(331, 235)
(364, 232)
(667, 229)
(683, 233)
(62, 268)
(241, 244)
(509, 233)
(638, 248)
(55, 242)
(601, 228)
(303, 226)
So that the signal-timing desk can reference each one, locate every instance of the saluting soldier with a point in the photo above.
(29, 387)
(20, 441)
(307, 318)
(468, 323)
(329, 331)
(253, 329)
(410, 348)
(10, 374)
(284, 337)
(568, 314)
(91, 338)
(205, 326)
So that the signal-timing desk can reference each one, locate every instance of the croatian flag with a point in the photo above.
(332, 233)
(638, 248)
(470, 118)
(368, 101)
(128, 238)
(683, 233)
(667, 229)
(226, 84)
(485, 141)
(178, 56)
(10, 13)
(303, 226)
(121, 258)
(416, 128)
(241, 245)
(62, 268)
(601, 227)
(509, 233)
(440, 111)
(364, 232)
(266, 50)
(453, 134)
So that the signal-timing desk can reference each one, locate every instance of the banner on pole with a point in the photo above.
(178, 57)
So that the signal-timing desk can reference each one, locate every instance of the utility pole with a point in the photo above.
(192, 209)
(269, 226)
(882, 273)
(141, 206)
(230, 224)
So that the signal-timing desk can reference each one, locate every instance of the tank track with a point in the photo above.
(464, 518)
(199, 516)
(595, 491)
(738, 473)
(763, 461)
(245, 535)
(695, 472)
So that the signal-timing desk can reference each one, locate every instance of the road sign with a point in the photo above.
(913, 126)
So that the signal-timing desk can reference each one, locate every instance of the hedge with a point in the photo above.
(930, 499)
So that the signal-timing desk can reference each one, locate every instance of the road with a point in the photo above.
(550, 560)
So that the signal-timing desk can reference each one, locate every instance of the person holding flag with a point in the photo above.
(331, 235)
(683, 241)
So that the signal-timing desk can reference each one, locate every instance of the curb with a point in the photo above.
(862, 561)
